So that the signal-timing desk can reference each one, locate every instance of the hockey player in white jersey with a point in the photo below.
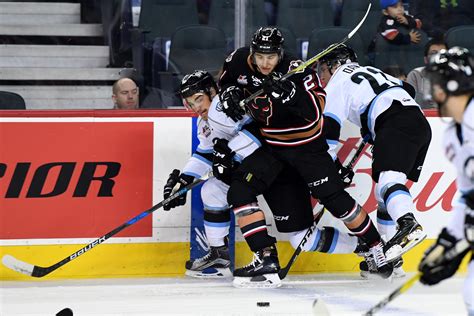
(451, 74)
(197, 90)
(387, 114)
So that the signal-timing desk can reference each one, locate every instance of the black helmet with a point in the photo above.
(267, 40)
(195, 82)
(342, 54)
(453, 70)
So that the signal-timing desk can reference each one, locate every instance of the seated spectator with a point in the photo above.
(125, 94)
(396, 71)
(395, 24)
(417, 78)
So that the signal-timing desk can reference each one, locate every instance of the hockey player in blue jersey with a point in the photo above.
(451, 73)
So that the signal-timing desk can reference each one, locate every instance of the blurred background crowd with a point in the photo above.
(70, 54)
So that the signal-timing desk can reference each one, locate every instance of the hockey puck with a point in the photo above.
(263, 304)
(65, 312)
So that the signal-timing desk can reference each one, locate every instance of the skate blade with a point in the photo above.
(397, 251)
(266, 281)
(373, 276)
(397, 273)
(210, 273)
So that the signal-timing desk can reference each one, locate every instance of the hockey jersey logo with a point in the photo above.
(257, 82)
(206, 130)
(242, 80)
(261, 109)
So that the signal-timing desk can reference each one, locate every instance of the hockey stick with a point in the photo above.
(37, 271)
(459, 248)
(284, 271)
(359, 151)
(313, 59)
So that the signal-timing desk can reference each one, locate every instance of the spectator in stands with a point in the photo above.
(417, 78)
(439, 16)
(396, 71)
(395, 24)
(125, 94)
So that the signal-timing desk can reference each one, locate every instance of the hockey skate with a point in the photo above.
(409, 234)
(375, 264)
(215, 264)
(368, 269)
(262, 272)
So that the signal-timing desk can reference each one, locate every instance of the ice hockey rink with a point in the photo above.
(342, 294)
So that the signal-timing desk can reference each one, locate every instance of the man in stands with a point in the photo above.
(125, 94)
(417, 78)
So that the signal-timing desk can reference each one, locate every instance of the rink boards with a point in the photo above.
(67, 178)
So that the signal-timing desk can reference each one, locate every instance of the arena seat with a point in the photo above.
(461, 36)
(198, 47)
(321, 38)
(303, 16)
(352, 13)
(11, 101)
(406, 56)
(158, 21)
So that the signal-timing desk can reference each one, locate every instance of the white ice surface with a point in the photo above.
(343, 294)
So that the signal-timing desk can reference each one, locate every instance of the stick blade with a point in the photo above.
(320, 308)
(17, 265)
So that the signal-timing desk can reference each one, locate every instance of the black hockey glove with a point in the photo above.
(435, 266)
(280, 90)
(176, 182)
(223, 161)
(230, 99)
(469, 219)
(469, 199)
(346, 174)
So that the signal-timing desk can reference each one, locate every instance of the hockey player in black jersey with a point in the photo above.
(387, 114)
(289, 117)
(451, 73)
